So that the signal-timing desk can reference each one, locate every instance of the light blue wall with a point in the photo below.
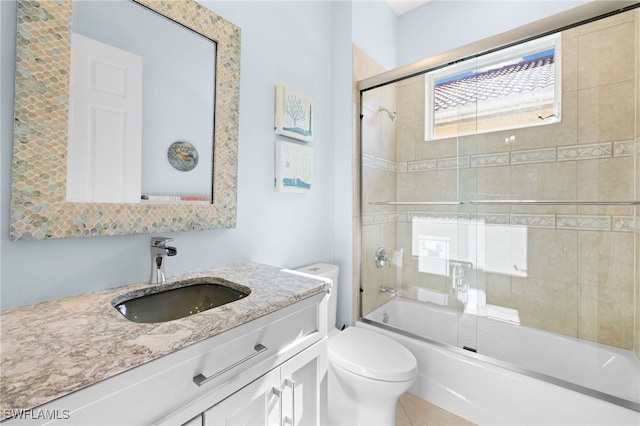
(375, 28)
(343, 155)
(289, 42)
(439, 25)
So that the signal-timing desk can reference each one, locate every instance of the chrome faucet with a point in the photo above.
(381, 257)
(388, 290)
(459, 283)
(159, 251)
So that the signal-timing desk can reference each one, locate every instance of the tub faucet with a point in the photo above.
(381, 257)
(159, 251)
(459, 282)
(388, 290)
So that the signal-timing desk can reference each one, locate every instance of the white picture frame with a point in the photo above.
(294, 167)
(293, 113)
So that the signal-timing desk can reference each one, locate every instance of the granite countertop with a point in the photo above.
(56, 347)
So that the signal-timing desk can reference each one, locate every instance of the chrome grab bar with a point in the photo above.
(508, 203)
(416, 203)
(556, 202)
(200, 379)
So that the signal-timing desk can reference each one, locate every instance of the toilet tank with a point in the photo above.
(326, 270)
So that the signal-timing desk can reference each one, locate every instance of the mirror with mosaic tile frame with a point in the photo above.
(39, 206)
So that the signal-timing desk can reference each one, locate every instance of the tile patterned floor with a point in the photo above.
(413, 411)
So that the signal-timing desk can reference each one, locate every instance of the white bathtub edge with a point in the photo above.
(487, 394)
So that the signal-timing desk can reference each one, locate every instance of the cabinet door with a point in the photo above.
(258, 403)
(304, 386)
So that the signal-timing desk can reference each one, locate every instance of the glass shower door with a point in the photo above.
(381, 262)
(517, 241)
(413, 217)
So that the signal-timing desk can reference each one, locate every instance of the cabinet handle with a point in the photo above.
(292, 384)
(200, 379)
(278, 393)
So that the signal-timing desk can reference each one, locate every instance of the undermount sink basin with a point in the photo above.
(178, 299)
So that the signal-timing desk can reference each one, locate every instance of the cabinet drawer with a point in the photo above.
(156, 391)
(221, 363)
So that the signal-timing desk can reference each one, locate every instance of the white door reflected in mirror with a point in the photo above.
(105, 123)
(177, 104)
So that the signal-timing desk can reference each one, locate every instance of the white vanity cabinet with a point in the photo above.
(282, 355)
(293, 394)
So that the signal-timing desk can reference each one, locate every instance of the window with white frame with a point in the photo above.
(519, 86)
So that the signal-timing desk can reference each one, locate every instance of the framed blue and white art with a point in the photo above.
(294, 167)
(293, 113)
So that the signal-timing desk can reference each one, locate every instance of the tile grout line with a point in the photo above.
(404, 410)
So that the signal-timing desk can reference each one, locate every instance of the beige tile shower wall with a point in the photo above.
(582, 279)
(607, 104)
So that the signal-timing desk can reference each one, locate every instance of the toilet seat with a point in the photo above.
(372, 355)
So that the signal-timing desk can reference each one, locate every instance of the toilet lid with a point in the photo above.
(370, 354)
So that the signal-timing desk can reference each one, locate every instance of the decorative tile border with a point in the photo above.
(440, 217)
(584, 222)
(430, 216)
(453, 163)
(625, 224)
(383, 164)
(489, 160)
(534, 220)
(584, 152)
(493, 218)
(455, 217)
(531, 220)
(422, 165)
(529, 156)
(624, 148)
(383, 217)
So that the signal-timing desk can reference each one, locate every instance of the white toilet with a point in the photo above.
(367, 370)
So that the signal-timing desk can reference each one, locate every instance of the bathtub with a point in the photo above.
(519, 375)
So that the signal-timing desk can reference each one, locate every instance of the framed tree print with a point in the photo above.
(293, 113)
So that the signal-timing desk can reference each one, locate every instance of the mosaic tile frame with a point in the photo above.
(39, 209)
